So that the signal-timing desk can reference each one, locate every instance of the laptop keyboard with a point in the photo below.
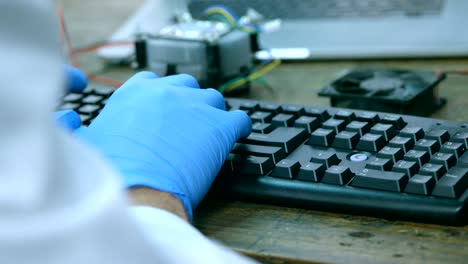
(325, 9)
(348, 161)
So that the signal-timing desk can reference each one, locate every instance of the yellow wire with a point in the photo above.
(228, 17)
(264, 70)
(269, 67)
(235, 84)
(222, 12)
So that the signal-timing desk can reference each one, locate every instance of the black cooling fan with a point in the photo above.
(387, 90)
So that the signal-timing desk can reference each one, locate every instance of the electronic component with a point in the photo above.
(211, 51)
(387, 90)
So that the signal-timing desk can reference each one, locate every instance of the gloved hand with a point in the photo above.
(75, 82)
(167, 134)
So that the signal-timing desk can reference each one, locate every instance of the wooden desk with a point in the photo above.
(287, 235)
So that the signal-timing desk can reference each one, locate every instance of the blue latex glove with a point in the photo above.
(167, 134)
(76, 81)
(68, 119)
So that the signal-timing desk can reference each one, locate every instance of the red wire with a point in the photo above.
(66, 36)
(104, 80)
(73, 53)
(101, 45)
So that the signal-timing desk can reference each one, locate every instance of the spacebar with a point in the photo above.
(288, 138)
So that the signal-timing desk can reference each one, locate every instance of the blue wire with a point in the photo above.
(233, 14)
(225, 8)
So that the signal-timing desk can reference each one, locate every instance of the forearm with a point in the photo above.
(158, 199)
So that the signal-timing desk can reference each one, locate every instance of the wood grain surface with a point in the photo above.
(274, 234)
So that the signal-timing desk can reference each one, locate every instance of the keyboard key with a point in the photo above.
(379, 164)
(386, 130)
(455, 148)
(67, 106)
(446, 159)
(250, 106)
(393, 154)
(434, 170)
(105, 91)
(289, 138)
(307, 122)
(231, 163)
(441, 135)
(227, 105)
(407, 167)
(371, 142)
(286, 169)
(283, 120)
(335, 124)
(463, 160)
(346, 140)
(461, 137)
(88, 109)
(262, 128)
(380, 180)
(72, 97)
(452, 184)
(255, 165)
(348, 116)
(429, 145)
(321, 114)
(418, 156)
(293, 110)
(92, 99)
(88, 90)
(275, 153)
(415, 133)
(311, 172)
(321, 137)
(395, 120)
(270, 107)
(358, 157)
(420, 184)
(358, 126)
(86, 119)
(405, 143)
(243, 110)
(369, 117)
(327, 158)
(261, 117)
(339, 175)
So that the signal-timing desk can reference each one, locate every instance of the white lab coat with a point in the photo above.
(59, 201)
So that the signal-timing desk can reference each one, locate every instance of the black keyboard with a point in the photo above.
(348, 161)
(87, 103)
(352, 161)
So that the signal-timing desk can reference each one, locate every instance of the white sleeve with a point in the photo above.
(59, 201)
(179, 241)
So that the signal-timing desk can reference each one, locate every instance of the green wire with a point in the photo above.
(222, 18)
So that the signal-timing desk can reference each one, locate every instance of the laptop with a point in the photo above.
(327, 29)
(357, 29)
